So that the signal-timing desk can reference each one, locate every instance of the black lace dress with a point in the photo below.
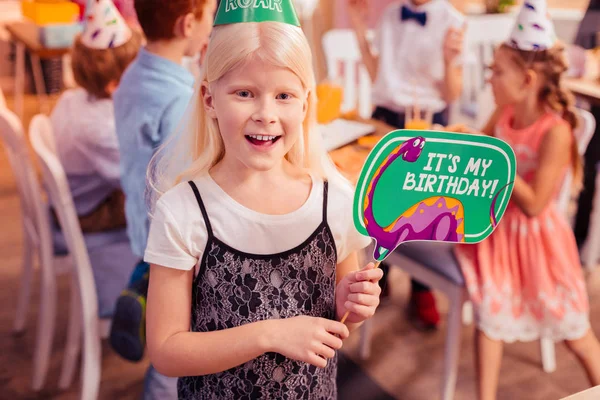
(234, 288)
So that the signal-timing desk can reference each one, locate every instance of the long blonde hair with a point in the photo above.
(196, 146)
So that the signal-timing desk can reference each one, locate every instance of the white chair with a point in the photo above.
(344, 65)
(566, 22)
(83, 316)
(459, 306)
(583, 135)
(483, 34)
(37, 239)
(590, 250)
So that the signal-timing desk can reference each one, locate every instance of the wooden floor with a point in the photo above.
(405, 362)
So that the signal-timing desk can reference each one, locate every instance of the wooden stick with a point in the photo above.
(417, 112)
(348, 312)
(416, 108)
(429, 117)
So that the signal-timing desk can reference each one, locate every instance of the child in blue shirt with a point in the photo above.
(151, 99)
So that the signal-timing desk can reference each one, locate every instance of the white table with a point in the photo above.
(341, 132)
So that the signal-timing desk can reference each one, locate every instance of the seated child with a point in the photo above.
(86, 143)
(526, 280)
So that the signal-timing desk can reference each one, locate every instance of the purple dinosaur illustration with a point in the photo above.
(438, 218)
(431, 220)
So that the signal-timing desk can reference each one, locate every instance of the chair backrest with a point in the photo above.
(566, 22)
(583, 135)
(482, 36)
(59, 194)
(33, 207)
(585, 130)
(344, 65)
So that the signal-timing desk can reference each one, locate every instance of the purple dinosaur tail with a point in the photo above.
(493, 205)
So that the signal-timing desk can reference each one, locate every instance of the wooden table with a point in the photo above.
(589, 90)
(25, 35)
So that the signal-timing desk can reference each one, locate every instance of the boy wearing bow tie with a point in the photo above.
(413, 59)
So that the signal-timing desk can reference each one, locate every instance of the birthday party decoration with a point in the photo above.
(432, 186)
(237, 11)
(105, 28)
(534, 29)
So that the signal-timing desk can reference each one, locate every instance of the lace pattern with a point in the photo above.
(235, 288)
(503, 314)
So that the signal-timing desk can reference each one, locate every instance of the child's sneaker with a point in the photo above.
(128, 330)
(422, 311)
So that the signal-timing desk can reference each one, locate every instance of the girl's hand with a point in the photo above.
(309, 339)
(453, 44)
(358, 292)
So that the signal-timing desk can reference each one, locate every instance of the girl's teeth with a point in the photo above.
(262, 137)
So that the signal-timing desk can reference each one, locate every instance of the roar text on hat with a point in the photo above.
(274, 5)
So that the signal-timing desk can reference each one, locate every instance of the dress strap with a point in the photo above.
(325, 190)
(202, 208)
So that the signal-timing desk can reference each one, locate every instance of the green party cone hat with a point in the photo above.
(236, 11)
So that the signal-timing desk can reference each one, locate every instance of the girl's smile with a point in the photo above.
(262, 142)
(260, 109)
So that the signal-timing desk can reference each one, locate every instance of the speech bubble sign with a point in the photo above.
(421, 185)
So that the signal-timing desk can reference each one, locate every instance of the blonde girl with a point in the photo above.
(252, 248)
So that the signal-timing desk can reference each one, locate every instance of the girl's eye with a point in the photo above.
(284, 96)
(244, 93)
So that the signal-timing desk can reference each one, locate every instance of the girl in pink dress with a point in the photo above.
(526, 280)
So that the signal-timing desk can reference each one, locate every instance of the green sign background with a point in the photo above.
(392, 195)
